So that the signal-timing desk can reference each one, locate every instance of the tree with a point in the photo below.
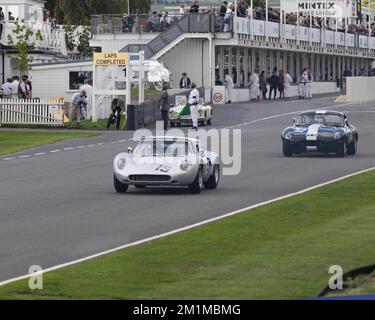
(24, 41)
(78, 12)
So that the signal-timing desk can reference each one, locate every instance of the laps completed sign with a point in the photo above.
(111, 59)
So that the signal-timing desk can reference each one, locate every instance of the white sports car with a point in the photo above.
(167, 161)
(180, 114)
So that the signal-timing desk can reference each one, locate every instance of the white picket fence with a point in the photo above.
(32, 112)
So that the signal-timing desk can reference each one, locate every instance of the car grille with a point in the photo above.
(149, 178)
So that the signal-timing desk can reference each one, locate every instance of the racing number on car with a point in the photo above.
(163, 168)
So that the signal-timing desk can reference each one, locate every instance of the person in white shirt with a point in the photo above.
(7, 89)
(229, 85)
(87, 87)
(254, 86)
(308, 78)
(193, 101)
(301, 86)
(15, 85)
(228, 17)
(287, 83)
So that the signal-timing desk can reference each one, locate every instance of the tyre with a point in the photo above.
(352, 148)
(119, 186)
(287, 150)
(342, 150)
(213, 180)
(197, 185)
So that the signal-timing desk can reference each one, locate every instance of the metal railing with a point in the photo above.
(117, 24)
(191, 23)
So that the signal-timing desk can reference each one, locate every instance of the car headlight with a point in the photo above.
(289, 136)
(121, 163)
(337, 136)
(185, 165)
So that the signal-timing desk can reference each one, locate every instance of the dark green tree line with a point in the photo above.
(78, 12)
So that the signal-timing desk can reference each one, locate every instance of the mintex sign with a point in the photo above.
(323, 8)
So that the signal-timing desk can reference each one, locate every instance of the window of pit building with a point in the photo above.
(13, 13)
(76, 78)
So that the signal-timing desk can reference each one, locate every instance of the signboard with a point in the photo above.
(53, 109)
(242, 25)
(330, 36)
(323, 8)
(315, 35)
(111, 59)
(303, 33)
(290, 32)
(218, 95)
(363, 41)
(273, 29)
(340, 38)
(258, 27)
(350, 40)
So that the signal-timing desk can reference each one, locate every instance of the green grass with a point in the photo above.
(280, 251)
(14, 141)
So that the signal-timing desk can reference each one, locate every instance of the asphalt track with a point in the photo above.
(57, 202)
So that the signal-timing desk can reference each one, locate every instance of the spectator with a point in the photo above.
(228, 17)
(263, 85)
(182, 9)
(117, 107)
(87, 87)
(288, 81)
(273, 81)
(185, 81)
(164, 107)
(7, 89)
(301, 86)
(2, 21)
(308, 79)
(280, 84)
(254, 86)
(25, 88)
(152, 22)
(223, 10)
(193, 102)
(15, 85)
(78, 103)
(229, 84)
(127, 23)
(194, 7)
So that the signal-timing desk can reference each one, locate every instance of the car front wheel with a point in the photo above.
(214, 178)
(352, 149)
(119, 186)
(197, 185)
(287, 150)
(342, 150)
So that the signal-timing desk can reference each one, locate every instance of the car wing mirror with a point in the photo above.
(130, 150)
(294, 121)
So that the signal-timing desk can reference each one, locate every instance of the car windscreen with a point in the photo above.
(162, 148)
(328, 119)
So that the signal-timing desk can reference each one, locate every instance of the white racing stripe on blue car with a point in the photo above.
(312, 132)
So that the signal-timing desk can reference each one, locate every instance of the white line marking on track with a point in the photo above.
(189, 227)
(55, 151)
(8, 159)
(40, 154)
(25, 156)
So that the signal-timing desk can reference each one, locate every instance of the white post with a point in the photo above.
(251, 20)
(369, 27)
(128, 82)
(141, 92)
(128, 7)
(266, 23)
(94, 114)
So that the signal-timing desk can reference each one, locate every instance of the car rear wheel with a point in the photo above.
(214, 178)
(119, 186)
(287, 150)
(342, 150)
(352, 148)
(197, 185)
